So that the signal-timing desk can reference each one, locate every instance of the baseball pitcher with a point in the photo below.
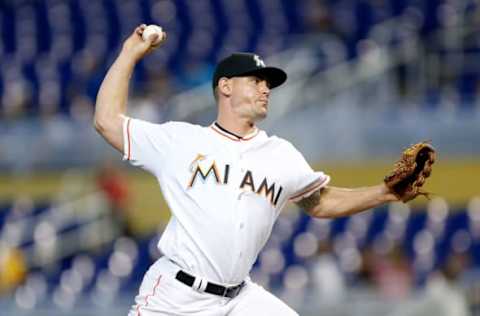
(226, 184)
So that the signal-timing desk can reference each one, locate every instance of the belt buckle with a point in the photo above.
(235, 290)
(225, 291)
(239, 288)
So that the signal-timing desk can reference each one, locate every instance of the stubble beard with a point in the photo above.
(254, 114)
(257, 115)
(260, 111)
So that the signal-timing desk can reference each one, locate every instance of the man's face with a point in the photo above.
(249, 97)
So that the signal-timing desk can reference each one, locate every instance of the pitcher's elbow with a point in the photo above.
(100, 124)
(109, 124)
(97, 124)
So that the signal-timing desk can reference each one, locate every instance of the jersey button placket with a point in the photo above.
(240, 163)
(237, 217)
(240, 195)
(242, 174)
(240, 216)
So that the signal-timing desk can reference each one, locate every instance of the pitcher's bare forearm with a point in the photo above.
(111, 104)
(112, 98)
(330, 202)
(113, 94)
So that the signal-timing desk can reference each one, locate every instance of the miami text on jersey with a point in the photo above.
(247, 183)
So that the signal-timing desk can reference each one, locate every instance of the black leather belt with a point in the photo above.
(211, 288)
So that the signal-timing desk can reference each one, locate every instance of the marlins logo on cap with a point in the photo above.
(247, 64)
(259, 62)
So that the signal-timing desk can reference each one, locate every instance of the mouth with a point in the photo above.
(264, 102)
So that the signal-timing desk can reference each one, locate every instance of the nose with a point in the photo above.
(264, 87)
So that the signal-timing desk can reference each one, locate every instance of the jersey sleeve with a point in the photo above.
(305, 180)
(146, 144)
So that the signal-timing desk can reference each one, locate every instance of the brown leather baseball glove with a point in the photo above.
(410, 171)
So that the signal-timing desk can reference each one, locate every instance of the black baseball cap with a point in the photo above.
(247, 64)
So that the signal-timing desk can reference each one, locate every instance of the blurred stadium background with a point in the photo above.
(78, 228)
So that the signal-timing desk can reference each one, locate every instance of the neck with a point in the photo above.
(240, 127)
(234, 120)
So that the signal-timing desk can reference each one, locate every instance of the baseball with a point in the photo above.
(152, 29)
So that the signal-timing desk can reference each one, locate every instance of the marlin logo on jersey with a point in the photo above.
(264, 189)
(197, 171)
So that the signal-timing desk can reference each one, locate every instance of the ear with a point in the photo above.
(225, 86)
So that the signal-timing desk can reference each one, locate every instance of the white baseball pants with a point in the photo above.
(161, 294)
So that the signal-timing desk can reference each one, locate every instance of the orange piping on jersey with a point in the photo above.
(149, 295)
(250, 137)
(233, 138)
(226, 135)
(128, 139)
(315, 185)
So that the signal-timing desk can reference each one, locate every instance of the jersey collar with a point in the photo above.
(226, 133)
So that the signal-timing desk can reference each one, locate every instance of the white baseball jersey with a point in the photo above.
(224, 191)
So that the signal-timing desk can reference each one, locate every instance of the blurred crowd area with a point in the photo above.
(54, 53)
(387, 70)
(366, 78)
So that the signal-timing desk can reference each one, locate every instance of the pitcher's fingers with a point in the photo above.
(139, 29)
(152, 39)
(156, 43)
